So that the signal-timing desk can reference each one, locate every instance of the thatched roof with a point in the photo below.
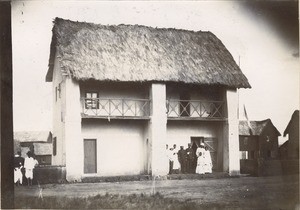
(32, 136)
(256, 127)
(294, 122)
(134, 53)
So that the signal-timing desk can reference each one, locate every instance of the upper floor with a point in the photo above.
(133, 101)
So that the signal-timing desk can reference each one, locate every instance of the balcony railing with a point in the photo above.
(195, 109)
(108, 107)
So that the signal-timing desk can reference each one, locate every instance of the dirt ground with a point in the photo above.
(277, 192)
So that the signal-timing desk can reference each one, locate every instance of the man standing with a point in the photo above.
(190, 158)
(182, 158)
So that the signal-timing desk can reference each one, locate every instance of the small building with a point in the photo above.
(38, 142)
(258, 140)
(121, 93)
(290, 149)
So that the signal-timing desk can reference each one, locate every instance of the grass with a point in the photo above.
(107, 201)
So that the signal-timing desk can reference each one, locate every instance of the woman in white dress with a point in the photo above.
(207, 161)
(176, 165)
(200, 159)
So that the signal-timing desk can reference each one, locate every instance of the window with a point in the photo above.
(59, 90)
(91, 100)
(55, 93)
(251, 155)
(54, 146)
(243, 155)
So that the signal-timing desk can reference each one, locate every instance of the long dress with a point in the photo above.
(200, 161)
(207, 162)
(176, 164)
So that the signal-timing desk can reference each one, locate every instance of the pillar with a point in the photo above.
(231, 159)
(73, 139)
(158, 130)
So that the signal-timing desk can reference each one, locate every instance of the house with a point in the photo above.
(38, 142)
(290, 149)
(258, 141)
(121, 93)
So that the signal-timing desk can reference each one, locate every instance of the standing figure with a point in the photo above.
(182, 158)
(171, 160)
(194, 164)
(18, 165)
(29, 165)
(201, 161)
(176, 164)
(207, 161)
(190, 158)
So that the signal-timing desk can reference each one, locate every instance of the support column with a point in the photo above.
(158, 130)
(73, 139)
(231, 159)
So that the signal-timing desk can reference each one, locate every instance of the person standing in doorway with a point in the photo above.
(190, 158)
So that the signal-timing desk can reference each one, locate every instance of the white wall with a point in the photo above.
(120, 145)
(58, 114)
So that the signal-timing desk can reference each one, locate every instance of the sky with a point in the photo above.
(262, 37)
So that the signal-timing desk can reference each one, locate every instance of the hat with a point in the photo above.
(201, 144)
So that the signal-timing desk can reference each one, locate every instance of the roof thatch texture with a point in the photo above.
(294, 122)
(256, 127)
(134, 53)
(32, 136)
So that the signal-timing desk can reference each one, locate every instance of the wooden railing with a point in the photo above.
(109, 107)
(195, 109)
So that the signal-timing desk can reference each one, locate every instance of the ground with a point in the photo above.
(276, 192)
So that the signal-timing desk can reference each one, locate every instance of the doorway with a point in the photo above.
(211, 144)
(90, 156)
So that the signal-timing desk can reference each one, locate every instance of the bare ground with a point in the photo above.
(277, 192)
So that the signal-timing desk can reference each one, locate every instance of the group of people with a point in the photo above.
(196, 159)
(24, 168)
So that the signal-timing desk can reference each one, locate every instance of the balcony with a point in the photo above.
(109, 108)
(195, 110)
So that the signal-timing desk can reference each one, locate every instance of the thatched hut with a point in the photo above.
(259, 148)
(143, 87)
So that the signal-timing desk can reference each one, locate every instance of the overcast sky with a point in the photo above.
(262, 38)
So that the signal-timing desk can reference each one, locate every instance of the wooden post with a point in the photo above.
(7, 143)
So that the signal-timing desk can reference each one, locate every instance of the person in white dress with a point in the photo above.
(176, 165)
(207, 161)
(200, 159)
